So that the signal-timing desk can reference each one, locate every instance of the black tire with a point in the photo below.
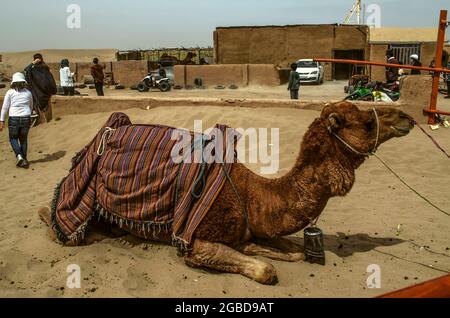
(141, 87)
(164, 87)
(350, 89)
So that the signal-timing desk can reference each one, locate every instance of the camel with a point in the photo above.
(166, 58)
(253, 217)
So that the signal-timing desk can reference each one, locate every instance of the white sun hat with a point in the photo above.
(415, 57)
(18, 77)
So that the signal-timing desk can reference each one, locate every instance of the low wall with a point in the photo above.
(124, 72)
(227, 74)
(129, 72)
(415, 92)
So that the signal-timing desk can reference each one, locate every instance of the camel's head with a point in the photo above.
(359, 127)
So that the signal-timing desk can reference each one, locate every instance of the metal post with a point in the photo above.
(438, 64)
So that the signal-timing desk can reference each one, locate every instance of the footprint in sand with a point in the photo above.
(137, 280)
(36, 266)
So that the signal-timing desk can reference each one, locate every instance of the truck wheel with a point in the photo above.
(164, 86)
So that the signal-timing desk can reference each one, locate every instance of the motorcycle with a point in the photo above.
(154, 81)
(376, 91)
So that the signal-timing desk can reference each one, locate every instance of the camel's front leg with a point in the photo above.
(281, 243)
(220, 257)
(250, 248)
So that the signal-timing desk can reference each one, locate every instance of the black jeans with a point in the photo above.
(294, 93)
(18, 134)
(99, 89)
(68, 90)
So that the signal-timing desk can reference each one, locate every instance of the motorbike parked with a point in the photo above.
(376, 91)
(154, 81)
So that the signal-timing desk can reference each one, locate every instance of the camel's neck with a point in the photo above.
(322, 170)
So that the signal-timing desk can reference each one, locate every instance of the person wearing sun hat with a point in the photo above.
(18, 103)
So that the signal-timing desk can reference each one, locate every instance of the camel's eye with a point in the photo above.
(370, 124)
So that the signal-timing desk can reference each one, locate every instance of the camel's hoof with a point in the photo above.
(267, 275)
(44, 215)
(296, 257)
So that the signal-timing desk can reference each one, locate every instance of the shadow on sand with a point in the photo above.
(50, 157)
(346, 245)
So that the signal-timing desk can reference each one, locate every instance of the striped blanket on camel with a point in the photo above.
(126, 176)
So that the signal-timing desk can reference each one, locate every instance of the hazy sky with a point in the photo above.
(141, 24)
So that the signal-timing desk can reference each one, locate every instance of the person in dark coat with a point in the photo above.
(98, 75)
(294, 81)
(41, 84)
(448, 81)
(415, 62)
(391, 71)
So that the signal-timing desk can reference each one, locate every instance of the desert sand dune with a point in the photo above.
(17, 61)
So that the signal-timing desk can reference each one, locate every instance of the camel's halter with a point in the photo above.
(372, 153)
(374, 149)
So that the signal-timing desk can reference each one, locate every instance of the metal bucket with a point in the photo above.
(314, 249)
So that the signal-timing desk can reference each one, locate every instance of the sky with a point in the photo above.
(145, 24)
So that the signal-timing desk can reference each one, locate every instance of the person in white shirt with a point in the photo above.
(66, 78)
(18, 103)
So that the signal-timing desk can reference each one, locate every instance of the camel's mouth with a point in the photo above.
(402, 130)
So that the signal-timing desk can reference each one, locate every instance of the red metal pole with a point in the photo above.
(422, 68)
(438, 64)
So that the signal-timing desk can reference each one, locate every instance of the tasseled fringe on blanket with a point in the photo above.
(77, 236)
(181, 245)
(145, 227)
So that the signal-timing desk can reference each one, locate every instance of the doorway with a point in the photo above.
(343, 71)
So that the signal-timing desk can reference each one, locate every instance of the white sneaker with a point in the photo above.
(19, 160)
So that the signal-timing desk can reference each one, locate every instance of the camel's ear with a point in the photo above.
(335, 120)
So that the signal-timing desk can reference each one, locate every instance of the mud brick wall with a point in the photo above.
(129, 72)
(227, 74)
(282, 45)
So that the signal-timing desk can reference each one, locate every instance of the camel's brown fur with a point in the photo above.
(282, 206)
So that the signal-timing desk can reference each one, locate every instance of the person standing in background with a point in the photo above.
(98, 75)
(391, 71)
(294, 81)
(66, 78)
(42, 86)
(448, 81)
(18, 104)
(415, 62)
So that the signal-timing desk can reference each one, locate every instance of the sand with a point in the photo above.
(16, 61)
(359, 230)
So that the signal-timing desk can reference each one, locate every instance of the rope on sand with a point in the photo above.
(410, 187)
(434, 141)
(418, 263)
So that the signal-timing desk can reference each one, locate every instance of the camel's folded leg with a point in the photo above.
(250, 248)
(280, 243)
(220, 257)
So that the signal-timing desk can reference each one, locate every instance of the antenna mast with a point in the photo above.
(355, 9)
